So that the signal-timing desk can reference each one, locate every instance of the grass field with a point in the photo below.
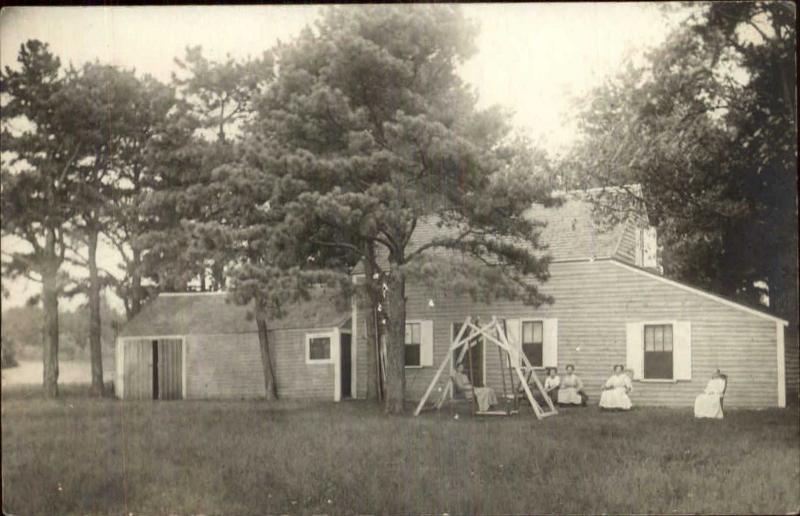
(81, 456)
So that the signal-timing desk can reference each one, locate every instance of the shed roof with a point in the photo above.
(212, 313)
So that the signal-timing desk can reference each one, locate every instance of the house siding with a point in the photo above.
(229, 367)
(594, 300)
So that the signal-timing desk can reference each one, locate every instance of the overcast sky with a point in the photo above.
(532, 58)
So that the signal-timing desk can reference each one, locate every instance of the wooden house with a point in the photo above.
(201, 346)
(612, 306)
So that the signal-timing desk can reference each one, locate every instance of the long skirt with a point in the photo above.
(708, 405)
(615, 399)
(572, 396)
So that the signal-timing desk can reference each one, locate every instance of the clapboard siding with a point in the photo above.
(626, 249)
(792, 350)
(229, 366)
(295, 378)
(593, 301)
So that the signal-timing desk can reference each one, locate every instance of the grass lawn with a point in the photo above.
(82, 456)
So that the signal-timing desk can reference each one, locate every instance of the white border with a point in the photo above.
(781, 357)
(700, 292)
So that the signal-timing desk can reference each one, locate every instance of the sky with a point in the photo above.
(536, 59)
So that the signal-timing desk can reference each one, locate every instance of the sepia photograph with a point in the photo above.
(400, 259)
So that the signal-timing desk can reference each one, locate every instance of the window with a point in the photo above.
(413, 345)
(318, 348)
(658, 351)
(533, 341)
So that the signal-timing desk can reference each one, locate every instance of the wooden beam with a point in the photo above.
(439, 371)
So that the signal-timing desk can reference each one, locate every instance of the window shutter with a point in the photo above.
(513, 333)
(634, 356)
(682, 351)
(426, 343)
(550, 343)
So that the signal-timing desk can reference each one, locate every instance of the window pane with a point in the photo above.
(534, 353)
(320, 348)
(658, 338)
(527, 332)
(648, 338)
(537, 333)
(415, 339)
(658, 365)
(412, 355)
(408, 333)
(668, 337)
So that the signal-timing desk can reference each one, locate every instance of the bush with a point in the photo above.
(8, 353)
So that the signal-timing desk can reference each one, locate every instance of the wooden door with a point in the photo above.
(138, 369)
(169, 354)
(476, 353)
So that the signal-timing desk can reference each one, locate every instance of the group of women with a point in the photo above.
(568, 391)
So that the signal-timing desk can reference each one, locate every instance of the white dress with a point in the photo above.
(568, 393)
(616, 397)
(707, 404)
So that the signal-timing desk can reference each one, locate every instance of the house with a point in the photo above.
(201, 346)
(612, 306)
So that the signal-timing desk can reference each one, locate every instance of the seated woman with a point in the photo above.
(551, 385)
(485, 396)
(615, 391)
(708, 405)
(571, 391)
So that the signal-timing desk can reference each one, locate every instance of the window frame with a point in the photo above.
(321, 335)
(522, 340)
(418, 344)
(661, 324)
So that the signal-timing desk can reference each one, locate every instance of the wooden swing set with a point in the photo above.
(511, 361)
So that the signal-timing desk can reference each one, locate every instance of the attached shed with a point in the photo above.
(202, 346)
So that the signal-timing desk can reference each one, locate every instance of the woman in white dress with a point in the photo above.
(571, 391)
(708, 405)
(615, 391)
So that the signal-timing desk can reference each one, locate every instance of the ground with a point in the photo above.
(83, 456)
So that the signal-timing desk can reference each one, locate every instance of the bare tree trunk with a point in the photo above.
(95, 335)
(270, 387)
(370, 317)
(395, 345)
(136, 284)
(218, 275)
(50, 306)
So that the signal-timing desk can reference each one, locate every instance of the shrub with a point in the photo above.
(8, 355)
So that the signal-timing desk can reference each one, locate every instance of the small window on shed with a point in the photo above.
(318, 348)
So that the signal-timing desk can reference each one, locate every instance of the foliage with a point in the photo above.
(707, 127)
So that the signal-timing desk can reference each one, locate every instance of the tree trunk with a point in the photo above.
(50, 307)
(218, 275)
(395, 346)
(136, 284)
(370, 317)
(266, 357)
(95, 336)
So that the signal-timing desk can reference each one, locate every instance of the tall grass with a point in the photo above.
(81, 456)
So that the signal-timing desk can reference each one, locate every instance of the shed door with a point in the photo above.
(138, 369)
(170, 362)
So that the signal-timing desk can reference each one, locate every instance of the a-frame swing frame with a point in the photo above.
(499, 339)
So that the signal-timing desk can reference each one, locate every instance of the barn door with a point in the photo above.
(169, 371)
(138, 369)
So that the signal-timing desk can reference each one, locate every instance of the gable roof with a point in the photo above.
(211, 313)
(570, 232)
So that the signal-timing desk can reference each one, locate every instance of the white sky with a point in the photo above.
(533, 58)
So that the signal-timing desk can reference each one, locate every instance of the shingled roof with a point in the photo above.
(570, 232)
(213, 314)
